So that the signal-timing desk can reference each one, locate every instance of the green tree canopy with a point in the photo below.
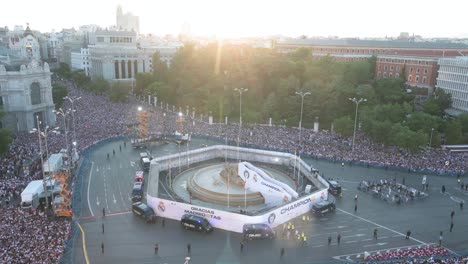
(58, 93)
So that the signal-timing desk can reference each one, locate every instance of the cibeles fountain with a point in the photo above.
(239, 184)
(231, 186)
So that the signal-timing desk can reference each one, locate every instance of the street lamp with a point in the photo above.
(73, 110)
(241, 90)
(302, 95)
(357, 102)
(430, 140)
(44, 134)
(64, 115)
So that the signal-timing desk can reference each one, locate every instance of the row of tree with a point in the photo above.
(205, 78)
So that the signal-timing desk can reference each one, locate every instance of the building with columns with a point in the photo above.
(115, 56)
(26, 96)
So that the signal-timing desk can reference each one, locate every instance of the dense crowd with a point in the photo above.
(425, 254)
(97, 118)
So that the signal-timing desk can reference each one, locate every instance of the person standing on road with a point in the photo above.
(189, 248)
(443, 189)
(375, 233)
(102, 247)
(408, 234)
(451, 226)
(102, 228)
(338, 239)
(355, 208)
(103, 212)
(282, 252)
(241, 247)
(461, 206)
(440, 238)
(120, 147)
(452, 214)
(156, 248)
(329, 239)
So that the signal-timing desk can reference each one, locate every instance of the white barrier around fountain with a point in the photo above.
(224, 219)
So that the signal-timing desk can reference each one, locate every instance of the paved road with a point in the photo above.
(128, 240)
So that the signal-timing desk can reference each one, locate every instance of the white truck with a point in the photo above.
(31, 194)
(53, 164)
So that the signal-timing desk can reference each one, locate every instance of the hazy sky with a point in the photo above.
(344, 18)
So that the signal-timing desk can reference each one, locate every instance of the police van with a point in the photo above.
(323, 207)
(257, 231)
(196, 223)
(334, 187)
(137, 192)
(144, 211)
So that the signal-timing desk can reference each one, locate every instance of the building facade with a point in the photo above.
(80, 60)
(418, 59)
(419, 72)
(116, 57)
(26, 96)
(453, 79)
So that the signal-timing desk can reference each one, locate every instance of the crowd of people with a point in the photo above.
(97, 118)
(424, 254)
(391, 191)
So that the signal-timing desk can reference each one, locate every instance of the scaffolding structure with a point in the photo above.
(62, 201)
(180, 124)
(143, 118)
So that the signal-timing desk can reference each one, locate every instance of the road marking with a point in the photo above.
(83, 237)
(381, 226)
(115, 201)
(132, 163)
(89, 184)
(352, 241)
(335, 227)
(357, 235)
(373, 245)
(456, 199)
(317, 246)
(97, 200)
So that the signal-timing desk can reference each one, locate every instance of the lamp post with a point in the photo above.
(64, 115)
(73, 110)
(430, 140)
(38, 130)
(241, 90)
(302, 95)
(357, 102)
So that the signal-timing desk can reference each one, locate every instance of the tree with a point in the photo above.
(63, 71)
(390, 90)
(160, 69)
(5, 138)
(100, 86)
(443, 99)
(80, 79)
(431, 107)
(58, 93)
(463, 119)
(119, 92)
(453, 132)
(403, 137)
(344, 126)
(423, 121)
(143, 80)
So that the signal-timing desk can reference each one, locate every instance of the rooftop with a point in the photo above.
(373, 43)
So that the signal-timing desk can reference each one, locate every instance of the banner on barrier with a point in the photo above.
(235, 221)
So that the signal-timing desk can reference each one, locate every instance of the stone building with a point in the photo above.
(26, 96)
